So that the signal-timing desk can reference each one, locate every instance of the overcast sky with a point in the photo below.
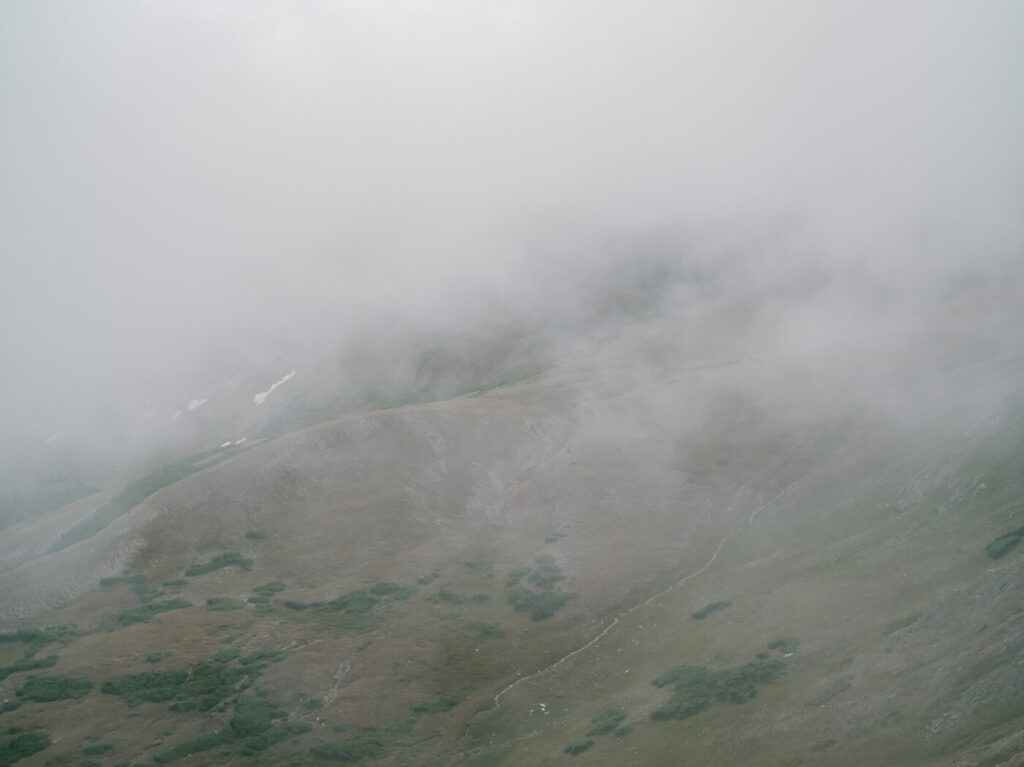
(179, 175)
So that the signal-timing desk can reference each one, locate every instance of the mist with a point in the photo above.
(190, 191)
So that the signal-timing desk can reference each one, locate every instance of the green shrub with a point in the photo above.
(517, 575)
(574, 747)
(261, 655)
(606, 722)
(44, 689)
(697, 687)
(446, 700)
(547, 573)
(21, 746)
(785, 645)
(10, 705)
(357, 602)
(623, 730)
(369, 742)
(98, 749)
(224, 604)
(255, 535)
(404, 592)
(147, 611)
(36, 639)
(540, 605)
(275, 734)
(149, 686)
(133, 580)
(384, 589)
(27, 664)
(156, 657)
(452, 597)
(707, 610)
(487, 630)
(219, 562)
(269, 589)
(253, 715)
(227, 655)
(189, 746)
(1004, 544)
(176, 583)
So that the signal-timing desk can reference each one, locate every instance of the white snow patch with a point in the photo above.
(229, 443)
(239, 442)
(177, 415)
(260, 398)
(196, 403)
(149, 414)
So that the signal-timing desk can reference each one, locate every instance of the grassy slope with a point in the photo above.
(862, 538)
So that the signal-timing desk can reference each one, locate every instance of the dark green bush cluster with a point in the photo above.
(98, 749)
(10, 705)
(426, 580)
(254, 715)
(269, 589)
(540, 605)
(696, 687)
(546, 574)
(487, 630)
(259, 656)
(147, 611)
(36, 639)
(785, 645)
(368, 742)
(574, 747)
(219, 562)
(274, 734)
(359, 602)
(208, 684)
(606, 722)
(255, 535)
(256, 722)
(188, 747)
(1004, 544)
(516, 576)
(149, 686)
(44, 689)
(176, 583)
(27, 664)
(144, 591)
(707, 610)
(224, 603)
(22, 745)
(446, 700)
(451, 597)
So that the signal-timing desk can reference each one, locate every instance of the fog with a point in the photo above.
(190, 187)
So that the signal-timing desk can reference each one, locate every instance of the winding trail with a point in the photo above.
(615, 621)
(343, 668)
